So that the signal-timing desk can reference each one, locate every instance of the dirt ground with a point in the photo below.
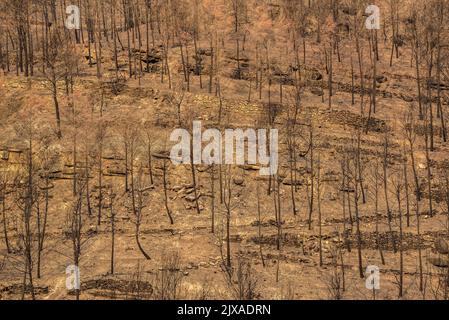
(187, 254)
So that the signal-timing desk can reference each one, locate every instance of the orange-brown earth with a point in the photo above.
(293, 272)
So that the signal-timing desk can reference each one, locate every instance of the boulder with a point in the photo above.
(289, 182)
(381, 79)
(441, 246)
(439, 262)
(317, 91)
(316, 76)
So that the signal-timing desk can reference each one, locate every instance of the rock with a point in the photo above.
(146, 189)
(235, 238)
(267, 178)
(317, 91)
(90, 60)
(116, 171)
(151, 58)
(350, 11)
(316, 76)
(304, 259)
(442, 246)
(204, 51)
(406, 98)
(332, 196)
(177, 188)
(191, 198)
(191, 266)
(347, 189)
(290, 182)
(114, 157)
(422, 166)
(5, 155)
(161, 155)
(249, 167)
(439, 262)
(435, 85)
(381, 79)
(239, 181)
(202, 168)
